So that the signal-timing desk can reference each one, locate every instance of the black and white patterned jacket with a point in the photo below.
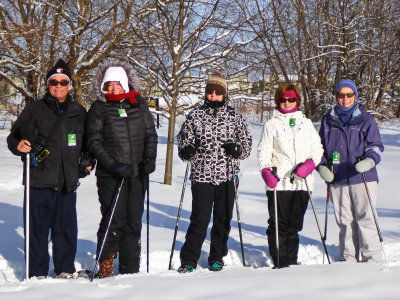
(208, 129)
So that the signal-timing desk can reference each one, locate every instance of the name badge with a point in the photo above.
(336, 158)
(71, 139)
(292, 122)
(122, 112)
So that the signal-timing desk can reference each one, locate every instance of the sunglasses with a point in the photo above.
(218, 93)
(291, 100)
(348, 95)
(54, 82)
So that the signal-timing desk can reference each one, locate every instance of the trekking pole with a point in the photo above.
(316, 219)
(274, 172)
(178, 216)
(326, 210)
(373, 213)
(108, 228)
(326, 215)
(148, 221)
(27, 212)
(238, 217)
(327, 204)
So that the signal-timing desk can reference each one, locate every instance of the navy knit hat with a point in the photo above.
(60, 68)
(346, 83)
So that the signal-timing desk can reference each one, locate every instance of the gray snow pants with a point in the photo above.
(357, 230)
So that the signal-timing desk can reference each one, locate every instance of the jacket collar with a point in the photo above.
(355, 119)
(58, 107)
(277, 114)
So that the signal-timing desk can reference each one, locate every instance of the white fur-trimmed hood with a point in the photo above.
(133, 79)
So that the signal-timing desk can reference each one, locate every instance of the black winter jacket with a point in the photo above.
(113, 139)
(60, 169)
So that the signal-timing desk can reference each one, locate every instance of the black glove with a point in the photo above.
(232, 149)
(147, 166)
(122, 170)
(187, 152)
(85, 161)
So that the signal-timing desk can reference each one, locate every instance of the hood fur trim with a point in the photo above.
(133, 79)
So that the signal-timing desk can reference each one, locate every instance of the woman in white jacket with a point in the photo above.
(290, 144)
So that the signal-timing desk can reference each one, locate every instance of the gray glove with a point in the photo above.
(365, 165)
(326, 174)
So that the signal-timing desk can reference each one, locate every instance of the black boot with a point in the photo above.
(129, 259)
(282, 250)
(292, 246)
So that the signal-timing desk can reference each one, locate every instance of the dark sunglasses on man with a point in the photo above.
(54, 82)
(283, 100)
(218, 93)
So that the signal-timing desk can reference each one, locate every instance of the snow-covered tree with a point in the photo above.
(181, 42)
(34, 34)
(316, 43)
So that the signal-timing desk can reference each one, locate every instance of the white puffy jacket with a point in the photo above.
(284, 146)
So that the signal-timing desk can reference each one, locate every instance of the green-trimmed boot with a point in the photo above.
(186, 269)
(216, 265)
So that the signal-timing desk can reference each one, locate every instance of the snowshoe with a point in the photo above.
(186, 269)
(65, 275)
(216, 266)
(84, 273)
(40, 277)
(280, 267)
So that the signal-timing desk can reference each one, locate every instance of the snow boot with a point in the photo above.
(107, 266)
(40, 277)
(273, 251)
(292, 243)
(186, 269)
(84, 273)
(216, 266)
(65, 275)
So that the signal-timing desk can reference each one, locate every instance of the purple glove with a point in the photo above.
(270, 179)
(122, 170)
(305, 169)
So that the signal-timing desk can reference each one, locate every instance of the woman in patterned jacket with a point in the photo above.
(213, 139)
(290, 143)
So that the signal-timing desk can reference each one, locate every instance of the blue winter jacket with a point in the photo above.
(360, 138)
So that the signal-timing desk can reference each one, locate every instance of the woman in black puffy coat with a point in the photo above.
(122, 137)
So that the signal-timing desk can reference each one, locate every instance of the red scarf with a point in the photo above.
(118, 97)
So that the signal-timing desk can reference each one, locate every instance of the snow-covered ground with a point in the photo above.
(314, 279)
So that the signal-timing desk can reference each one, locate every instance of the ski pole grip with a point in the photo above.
(274, 171)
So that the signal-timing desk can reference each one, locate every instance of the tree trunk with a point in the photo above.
(76, 84)
(170, 145)
(176, 57)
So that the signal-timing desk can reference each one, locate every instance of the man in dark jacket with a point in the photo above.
(352, 145)
(52, 130)
(123, 139)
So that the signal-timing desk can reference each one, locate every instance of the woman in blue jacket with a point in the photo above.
(352, 145)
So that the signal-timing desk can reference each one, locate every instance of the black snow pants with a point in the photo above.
(292, 206)
(205, 195)
(126, 226)
(55, 212)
